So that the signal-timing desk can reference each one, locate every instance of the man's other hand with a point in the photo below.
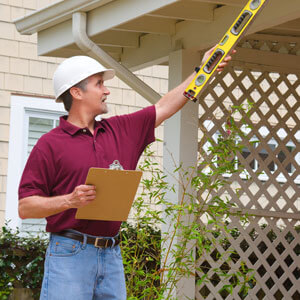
(225, 61)
(81, 196)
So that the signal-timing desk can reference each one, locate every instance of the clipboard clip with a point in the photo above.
(115, 165)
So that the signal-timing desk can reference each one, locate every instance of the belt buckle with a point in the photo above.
(96, 243)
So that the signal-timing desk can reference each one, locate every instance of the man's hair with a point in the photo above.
(67, 98)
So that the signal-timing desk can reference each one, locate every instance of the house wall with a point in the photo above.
(23, 72)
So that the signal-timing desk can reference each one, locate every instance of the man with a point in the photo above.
(83, 259)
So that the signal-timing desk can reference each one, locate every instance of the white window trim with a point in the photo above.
(17, 146)
(264, 132)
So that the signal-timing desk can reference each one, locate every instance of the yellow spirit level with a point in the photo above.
(230, 39)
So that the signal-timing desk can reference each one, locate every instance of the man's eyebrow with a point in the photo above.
(99, 81)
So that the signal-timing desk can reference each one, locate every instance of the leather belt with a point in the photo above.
(97, 242)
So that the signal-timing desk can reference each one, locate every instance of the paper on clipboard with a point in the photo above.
(115, 192)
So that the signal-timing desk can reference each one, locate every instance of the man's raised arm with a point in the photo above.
(174, 100)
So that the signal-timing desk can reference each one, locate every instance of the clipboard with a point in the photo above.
(115, 192)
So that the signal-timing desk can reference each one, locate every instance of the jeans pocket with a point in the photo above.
(61, 246)
(117, 252)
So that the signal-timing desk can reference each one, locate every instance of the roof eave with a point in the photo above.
(54, 14)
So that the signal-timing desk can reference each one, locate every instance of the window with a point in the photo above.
(39, 124)
(30, 119)
(272, 166)
(280, 156)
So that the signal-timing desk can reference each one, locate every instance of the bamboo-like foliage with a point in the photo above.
(156, 260)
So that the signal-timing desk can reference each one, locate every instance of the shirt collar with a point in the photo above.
(72, 129)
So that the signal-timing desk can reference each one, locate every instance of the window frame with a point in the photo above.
(22, 107)
(264, 176)
(264, 132)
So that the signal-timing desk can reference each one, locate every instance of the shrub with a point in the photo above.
(22, 258)
(21, 261)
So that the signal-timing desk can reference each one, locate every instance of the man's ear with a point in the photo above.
(76, 92)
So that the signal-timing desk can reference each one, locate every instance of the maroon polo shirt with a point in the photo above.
(62, 157)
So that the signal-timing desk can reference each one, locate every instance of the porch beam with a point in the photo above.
(54, 39)
(209, 34)
(274, 38)
(289, 26)
(118, 39)
(287, 63)
(275, 13)
(66, 52)
(148, 24)
(153, 48)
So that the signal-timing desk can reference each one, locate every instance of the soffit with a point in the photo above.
(141, 32)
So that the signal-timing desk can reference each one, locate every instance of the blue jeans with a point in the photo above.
(80, 271)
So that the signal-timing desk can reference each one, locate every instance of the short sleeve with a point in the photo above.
(140, 126)
(37, 176)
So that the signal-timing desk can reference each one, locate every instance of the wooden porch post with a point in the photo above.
(180, 144)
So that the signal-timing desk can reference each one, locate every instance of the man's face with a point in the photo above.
(95, 95)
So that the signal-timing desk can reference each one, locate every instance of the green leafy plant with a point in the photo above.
(186, 239)
(21, 261)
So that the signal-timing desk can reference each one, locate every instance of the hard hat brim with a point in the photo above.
(107, 74)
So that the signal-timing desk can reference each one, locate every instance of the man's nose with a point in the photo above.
(106, 91)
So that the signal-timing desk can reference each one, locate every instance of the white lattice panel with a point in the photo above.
(270, 244)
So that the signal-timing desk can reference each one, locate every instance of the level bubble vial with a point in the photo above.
(255, 4)
(225, 39)
(200, 80)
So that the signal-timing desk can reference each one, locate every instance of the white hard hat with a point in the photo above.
(75, 69)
